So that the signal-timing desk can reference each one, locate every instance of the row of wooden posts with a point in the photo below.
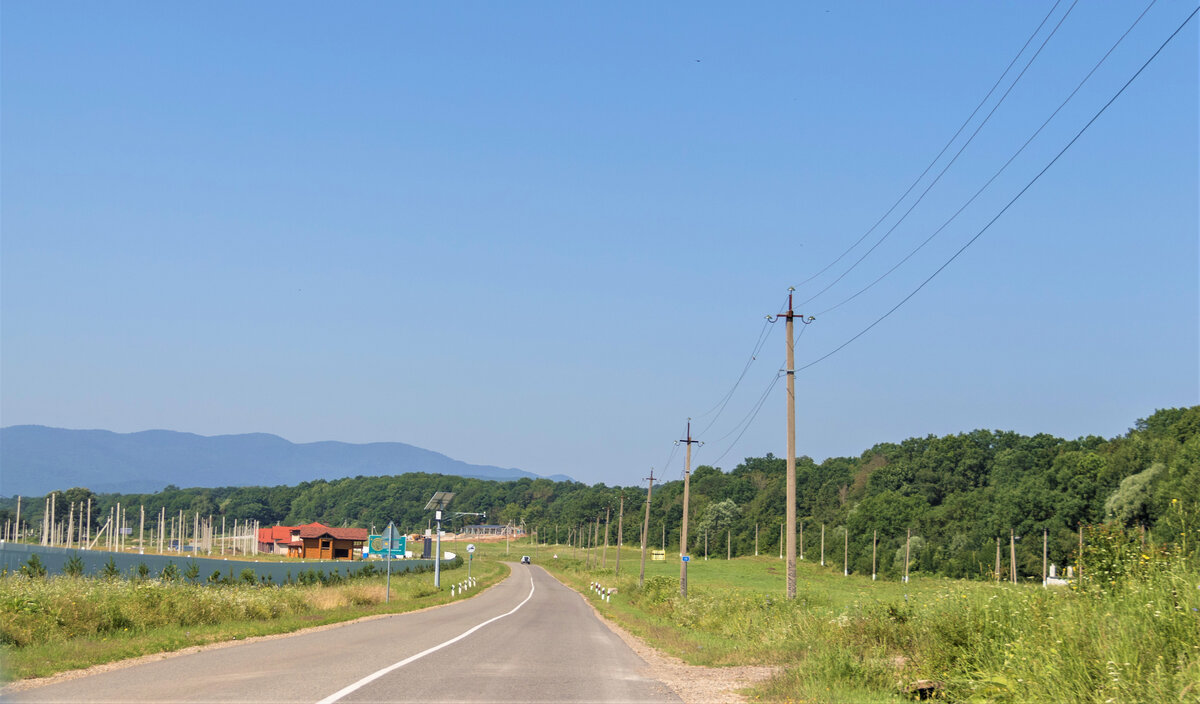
(167, 533)
(578, 538)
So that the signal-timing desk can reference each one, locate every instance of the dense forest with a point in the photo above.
(956, 494)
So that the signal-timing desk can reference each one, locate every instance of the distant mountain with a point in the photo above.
(35, 460)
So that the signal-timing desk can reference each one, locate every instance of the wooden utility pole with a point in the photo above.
(822, 544)
(846, 552)
(790, 369)
(728, 544)
(907, 547)
(595, 537)
(756, 540)
(620, 533)
(607, 516)
(997, 558)
(1012, 555)
(780, 541)
(687, 473)
(1045, 546)
(142, 530)
(874, 544)
(646, 528)
(1079, 561)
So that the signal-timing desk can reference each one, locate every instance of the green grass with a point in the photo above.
(50, 625)
(848, 639)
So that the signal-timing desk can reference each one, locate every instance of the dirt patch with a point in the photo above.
(694, 684)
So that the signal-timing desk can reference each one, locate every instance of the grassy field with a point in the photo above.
(49, 625)
(849, 639)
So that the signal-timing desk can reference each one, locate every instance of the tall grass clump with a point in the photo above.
(1129, 631)
(38, 610)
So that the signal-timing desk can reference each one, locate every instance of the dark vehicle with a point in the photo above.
(525, 560)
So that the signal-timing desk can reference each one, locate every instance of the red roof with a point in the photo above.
(283, 534)
(317, 530)
(275, 534)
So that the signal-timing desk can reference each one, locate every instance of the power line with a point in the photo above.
(952, 161)
(1002, 168)
(748, 420)
(944, 148)
(1010, 203)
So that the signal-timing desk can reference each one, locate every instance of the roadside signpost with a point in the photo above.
(389, 537)
(470, 556)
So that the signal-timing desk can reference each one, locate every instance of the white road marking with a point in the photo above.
(374, 676)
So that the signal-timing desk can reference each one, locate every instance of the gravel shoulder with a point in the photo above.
(694, 684)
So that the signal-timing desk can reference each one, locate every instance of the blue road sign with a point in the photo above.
(686, 558)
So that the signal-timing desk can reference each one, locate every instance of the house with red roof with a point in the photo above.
(313, 541)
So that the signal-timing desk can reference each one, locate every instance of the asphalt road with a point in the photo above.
(530, 640)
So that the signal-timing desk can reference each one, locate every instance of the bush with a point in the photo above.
(170, 573)
(74, 566)
(33, 567)
(110, 570)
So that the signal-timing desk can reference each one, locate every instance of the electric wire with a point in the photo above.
(1011, 202)
(753, 414)
(944, 148)
(763, 336)
(952, 161)
(1002, 168)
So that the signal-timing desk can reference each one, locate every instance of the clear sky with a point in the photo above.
(543, 235)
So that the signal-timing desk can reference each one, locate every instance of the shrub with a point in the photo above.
(74, 566)
(110, 570)
(33, 567)
(170, 573)
(192, 573)
(248, 576)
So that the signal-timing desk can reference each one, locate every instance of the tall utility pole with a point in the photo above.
(607, 516)
(620, 533)
(687, 473)
(788, 317)
(646, 528)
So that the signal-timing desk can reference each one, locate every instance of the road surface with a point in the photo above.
(528, 639)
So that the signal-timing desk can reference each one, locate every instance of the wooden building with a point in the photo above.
(313, 541)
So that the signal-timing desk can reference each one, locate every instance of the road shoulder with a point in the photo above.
(694, 684)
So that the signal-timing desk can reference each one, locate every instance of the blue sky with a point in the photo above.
(543, 235)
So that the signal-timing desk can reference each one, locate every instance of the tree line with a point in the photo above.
(956, 494)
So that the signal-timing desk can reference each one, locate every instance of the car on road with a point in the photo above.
(525, 560)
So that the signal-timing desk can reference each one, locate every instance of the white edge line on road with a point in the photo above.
(374, 676)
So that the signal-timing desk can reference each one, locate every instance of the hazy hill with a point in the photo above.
(36, 459)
